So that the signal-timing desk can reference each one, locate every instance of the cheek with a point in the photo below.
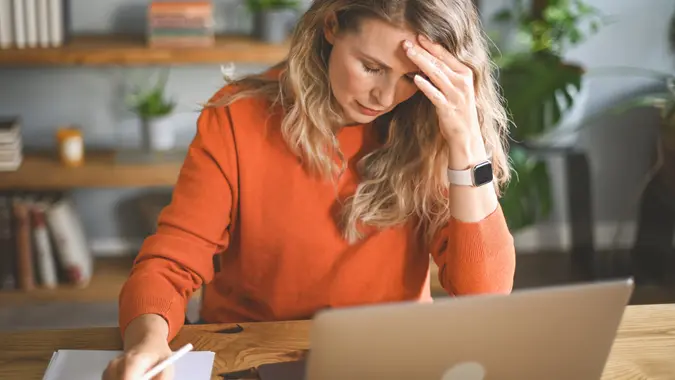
(347, 78)
(357, 81)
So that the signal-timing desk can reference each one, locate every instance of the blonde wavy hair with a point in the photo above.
(406, 177)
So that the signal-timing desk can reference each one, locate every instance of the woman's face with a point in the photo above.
(369, 71)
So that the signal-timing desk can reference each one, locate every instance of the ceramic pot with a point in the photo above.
(157, 134)
(273, 26)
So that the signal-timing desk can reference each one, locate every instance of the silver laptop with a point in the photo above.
(554, 333)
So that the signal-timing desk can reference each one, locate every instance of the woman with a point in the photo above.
(328, 181)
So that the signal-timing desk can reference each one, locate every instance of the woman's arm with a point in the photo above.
(178, 258)
(475, 257)
(475, 251)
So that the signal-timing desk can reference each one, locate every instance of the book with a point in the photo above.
(6, 24)
(11, 144)
(19, 24)
(180, 23)
(30, 13)
(44, 254)
(56, 21)
(24, 245)
(43, 23)
(90, 364)
(70, 242)
(7, 244)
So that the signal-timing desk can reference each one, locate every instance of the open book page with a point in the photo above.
(90, 364)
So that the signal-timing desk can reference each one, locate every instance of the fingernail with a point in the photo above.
(410, 49)
(407, 44)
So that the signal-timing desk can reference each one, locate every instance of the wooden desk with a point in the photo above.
(644, 348)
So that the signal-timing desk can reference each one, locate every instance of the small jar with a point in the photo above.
(71, 146)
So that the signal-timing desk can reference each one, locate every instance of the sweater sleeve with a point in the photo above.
(475, 258)
(178, 258)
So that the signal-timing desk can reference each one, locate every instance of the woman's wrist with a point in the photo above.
(147, 328)
(465, 151)
(469, 204)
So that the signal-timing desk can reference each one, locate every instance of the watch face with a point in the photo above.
(482, 173)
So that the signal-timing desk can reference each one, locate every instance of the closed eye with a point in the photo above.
(371, 70)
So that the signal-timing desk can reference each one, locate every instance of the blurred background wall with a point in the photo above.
(90, 97)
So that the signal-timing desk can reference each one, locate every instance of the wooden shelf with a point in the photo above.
(133, 50)
(43, 172)
(109, 276)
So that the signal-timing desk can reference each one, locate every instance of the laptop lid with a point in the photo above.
(554, 333)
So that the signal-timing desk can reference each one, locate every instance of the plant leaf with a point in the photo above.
(527, 197)
(532, 86)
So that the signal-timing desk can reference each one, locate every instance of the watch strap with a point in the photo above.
(470, 176)
(461, 177)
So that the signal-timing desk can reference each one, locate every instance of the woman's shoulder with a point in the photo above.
(252, 88)
(246, 105)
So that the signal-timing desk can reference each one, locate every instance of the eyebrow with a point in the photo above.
(375, 60)
(380, 63)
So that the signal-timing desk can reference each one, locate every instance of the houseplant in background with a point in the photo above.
(273, 19)
(652, 253)
(652, 256)
(154, 111)
(541, 90)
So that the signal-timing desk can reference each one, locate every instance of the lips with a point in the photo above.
(369, 111)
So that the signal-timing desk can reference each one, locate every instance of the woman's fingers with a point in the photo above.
(435, 70)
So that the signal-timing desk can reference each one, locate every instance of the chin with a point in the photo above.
(362, 119)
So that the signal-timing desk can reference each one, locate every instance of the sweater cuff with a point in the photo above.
(133, 306)
(476, 241)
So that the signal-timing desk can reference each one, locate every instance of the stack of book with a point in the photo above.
(42, 243)
(11, 144)
(32, 23)
(175, 23)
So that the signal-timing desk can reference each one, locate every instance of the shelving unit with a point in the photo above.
(43, 171)
(100, 50)
(106, 283)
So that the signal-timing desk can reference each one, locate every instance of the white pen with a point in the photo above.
(161, 366)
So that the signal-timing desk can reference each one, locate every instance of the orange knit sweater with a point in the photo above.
(243, 197)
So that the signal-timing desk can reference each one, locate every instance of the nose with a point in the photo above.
(385, 93)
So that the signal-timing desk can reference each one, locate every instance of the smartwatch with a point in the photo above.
(478, 175)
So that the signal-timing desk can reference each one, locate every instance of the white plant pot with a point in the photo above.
(158, 134)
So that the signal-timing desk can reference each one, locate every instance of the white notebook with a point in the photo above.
(90, 364)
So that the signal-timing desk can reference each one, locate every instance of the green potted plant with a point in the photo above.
(272, 19)
(154, 110)
(541, 90)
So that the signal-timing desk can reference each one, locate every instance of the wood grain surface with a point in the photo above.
(43, 171)
(95, 50)
(644, 347)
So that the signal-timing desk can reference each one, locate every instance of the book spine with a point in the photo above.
(43, 22)
(43, 250)
(24, 246)
(73, 252)
(56, 24)
(181, 24)
(7, 245)
(6, 24)
(30, 13)
(19, 24)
